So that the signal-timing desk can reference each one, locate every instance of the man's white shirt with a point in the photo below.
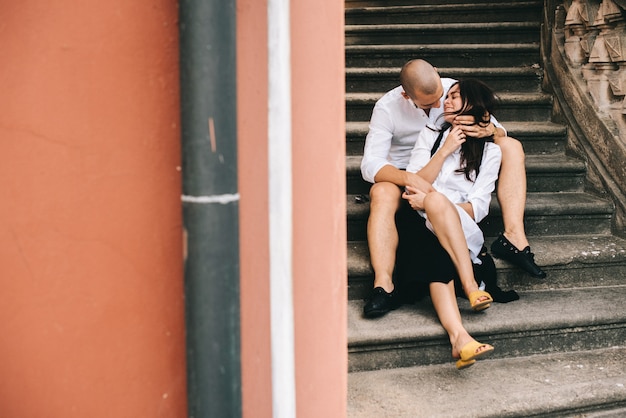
(393, 130)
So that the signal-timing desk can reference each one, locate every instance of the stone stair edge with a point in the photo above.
(441, 26)
(535, 163)
(537, 204)
(448, 6)
(351, 4)
(543, 310)
(446, 48)
(505, 97)
(575, 384)
(524, 128)
(446, 71)
(581, 249)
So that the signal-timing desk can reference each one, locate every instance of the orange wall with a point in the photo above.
(90, 221)
(252, 125)
(319, 213)
(319, 207)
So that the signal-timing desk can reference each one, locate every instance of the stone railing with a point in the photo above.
(595, 41)
(584, 56)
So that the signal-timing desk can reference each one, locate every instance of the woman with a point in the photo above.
(463, 172)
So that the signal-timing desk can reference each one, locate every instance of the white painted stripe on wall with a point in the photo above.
(221, 198)
(280, 212)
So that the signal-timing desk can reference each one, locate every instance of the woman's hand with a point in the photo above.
(415, 197)
(453, 141)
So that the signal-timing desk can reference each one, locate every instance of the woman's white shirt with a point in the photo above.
(456, 187)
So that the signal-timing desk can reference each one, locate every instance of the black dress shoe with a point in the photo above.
(502, 248)
(380, 303)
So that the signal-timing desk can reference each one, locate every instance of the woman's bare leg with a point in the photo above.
(446, 223)
(444, 300)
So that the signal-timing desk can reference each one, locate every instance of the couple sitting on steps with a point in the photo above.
(434, 152)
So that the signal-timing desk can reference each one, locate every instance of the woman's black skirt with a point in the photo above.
(421, 260)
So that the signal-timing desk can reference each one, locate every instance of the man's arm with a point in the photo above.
(377, 144)
(402, 178)
(473, 129)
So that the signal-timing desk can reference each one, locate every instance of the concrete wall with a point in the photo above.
(91, 256)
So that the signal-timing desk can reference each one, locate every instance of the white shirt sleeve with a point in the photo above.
(420, 156)
(497, 124)
(377, 143)
(480, 193)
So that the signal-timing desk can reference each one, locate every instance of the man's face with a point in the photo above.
(427, 101)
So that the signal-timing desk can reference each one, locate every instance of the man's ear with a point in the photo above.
(406, 96)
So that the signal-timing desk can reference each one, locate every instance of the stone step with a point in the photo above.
(563, 213)
(540, 322)
(502, 79)
(442, 33)
(569, 261)
(500, 54)
(537, 137)
(391, 3)
(512, 106)
(440, 13)
(566, 213)
(588, 384)
(544, 173)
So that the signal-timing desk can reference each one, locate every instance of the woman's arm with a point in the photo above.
(429, 167)
(421, 150)
(451, 142)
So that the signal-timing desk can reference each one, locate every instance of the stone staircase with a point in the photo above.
(560, 349)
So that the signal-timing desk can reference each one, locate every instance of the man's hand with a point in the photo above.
(417, 182)
(473, 129)
(415, 197)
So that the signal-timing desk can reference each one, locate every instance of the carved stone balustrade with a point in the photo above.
(584, 54)
(595, 41)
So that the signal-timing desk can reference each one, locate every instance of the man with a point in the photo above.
(397, 119)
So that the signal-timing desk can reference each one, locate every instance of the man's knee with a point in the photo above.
(511, 148)
(385, 193)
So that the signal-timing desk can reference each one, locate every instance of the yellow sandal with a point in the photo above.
(483, 304)
(469, 353)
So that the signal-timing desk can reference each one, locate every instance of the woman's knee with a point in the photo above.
(435, 201)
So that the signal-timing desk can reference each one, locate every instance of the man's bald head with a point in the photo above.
(418, 77)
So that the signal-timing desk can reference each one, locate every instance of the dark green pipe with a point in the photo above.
(210, 206)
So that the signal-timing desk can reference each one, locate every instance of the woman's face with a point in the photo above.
(452, 103)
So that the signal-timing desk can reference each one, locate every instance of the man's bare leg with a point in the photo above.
(512, 190)
(382, 236)
(513, 244)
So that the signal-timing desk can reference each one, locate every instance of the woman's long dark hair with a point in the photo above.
(479, 101)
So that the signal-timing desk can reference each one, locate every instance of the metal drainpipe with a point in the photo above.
(210, 206)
